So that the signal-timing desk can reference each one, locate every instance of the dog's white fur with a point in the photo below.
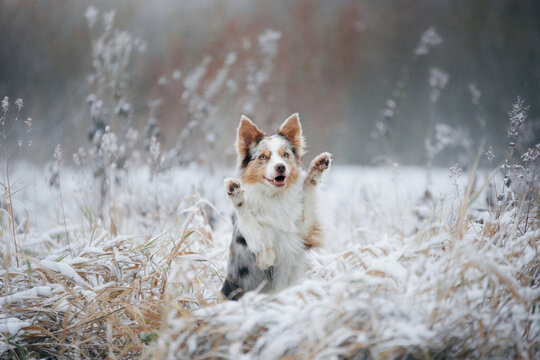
(276, 221)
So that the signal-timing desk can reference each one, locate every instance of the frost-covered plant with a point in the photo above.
(476, 95)
(58, 161)
(155, 159)
(8, 127)
(490, 155)
(199, 97)
(429, 39)
(387, 117)
(258, 73)
(517, 117)
(437, 81)
(205, 94)
(445, 136)
(520, 191)
(111, 135)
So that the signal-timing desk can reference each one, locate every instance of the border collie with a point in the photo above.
(276, 219)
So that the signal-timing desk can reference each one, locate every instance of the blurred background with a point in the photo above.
(375, 82)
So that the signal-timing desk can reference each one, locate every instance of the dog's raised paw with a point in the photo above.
(234, 191)
(320, 164)
(232, 186)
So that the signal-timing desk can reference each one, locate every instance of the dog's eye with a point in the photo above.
(262, 157)
(285, 155)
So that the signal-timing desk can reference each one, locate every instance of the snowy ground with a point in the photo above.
(400, 274)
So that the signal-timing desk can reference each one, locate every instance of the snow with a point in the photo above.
(392, 277)
(64, 269)
(27, 294)
(12, 325)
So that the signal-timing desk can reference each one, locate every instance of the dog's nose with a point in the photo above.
(280, 168)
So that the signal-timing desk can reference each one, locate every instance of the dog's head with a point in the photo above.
(270, 160)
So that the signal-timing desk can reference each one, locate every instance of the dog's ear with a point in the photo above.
(292, 131)
(248, 134)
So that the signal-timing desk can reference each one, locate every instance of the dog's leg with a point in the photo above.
(264, 254)
(242, 272)
(312, 232)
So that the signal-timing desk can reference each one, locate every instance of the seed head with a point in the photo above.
(154, 148)
(489, 154)
(58, 154)
(28, 123)
(517, 116)
(19, 103)
(455, 171)
(5, 103)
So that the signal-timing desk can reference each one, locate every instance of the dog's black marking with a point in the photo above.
(293, 149)
(240, 240)
(231, 290)
(243, 271)
(243, 274)
(246, 160)
(269, 273)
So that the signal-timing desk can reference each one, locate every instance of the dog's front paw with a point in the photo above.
(234, 191)
(319, 165)
(265, 258)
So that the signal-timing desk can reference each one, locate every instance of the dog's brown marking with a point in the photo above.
(292, 131)
(247, 135)
(267, 155)
(314, 237)
(293, 176)
(254, 172)
(233, 186)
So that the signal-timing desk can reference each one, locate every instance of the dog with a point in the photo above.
(275, 201)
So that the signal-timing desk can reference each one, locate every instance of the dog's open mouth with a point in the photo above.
(278, 181)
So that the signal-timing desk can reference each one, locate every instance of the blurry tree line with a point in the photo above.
(371, 80)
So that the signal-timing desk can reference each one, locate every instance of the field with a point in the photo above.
(115, 226)
(402, 274)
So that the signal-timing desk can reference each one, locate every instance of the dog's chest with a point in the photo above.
(277, 217)
(282, 212)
